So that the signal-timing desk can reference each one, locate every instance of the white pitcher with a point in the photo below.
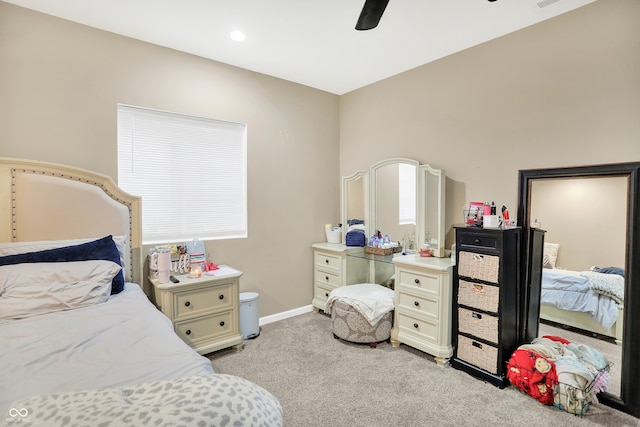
(161, 263)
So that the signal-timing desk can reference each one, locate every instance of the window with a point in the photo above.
(407, 193)
(190, 172)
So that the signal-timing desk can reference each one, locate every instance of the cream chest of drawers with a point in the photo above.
(423, 294)
(204, 311)
(333, 268)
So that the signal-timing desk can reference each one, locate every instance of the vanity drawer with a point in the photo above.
(478, 295)
(479, 266)
(430, 283)
(417, 327)
(327, 279)
(412, 301)
(321, 293)
(481, 325)
(200, 301)
(477, 353)
(194, 332)
(328, 261)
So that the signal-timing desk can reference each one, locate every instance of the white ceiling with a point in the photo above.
(311, 42)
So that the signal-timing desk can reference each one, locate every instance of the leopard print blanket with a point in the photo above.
(213, 400)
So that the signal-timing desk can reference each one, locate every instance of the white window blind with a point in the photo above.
(190, 172)
(407, 193)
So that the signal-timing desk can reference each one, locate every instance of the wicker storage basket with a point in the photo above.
(479, 266)
(481, 325)
(477, 295)
(381, 251)
(576, 400)
(482, 355)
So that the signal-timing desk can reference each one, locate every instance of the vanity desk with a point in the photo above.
(422, 317)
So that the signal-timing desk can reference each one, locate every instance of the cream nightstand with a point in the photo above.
(423, 305)
(204, 311)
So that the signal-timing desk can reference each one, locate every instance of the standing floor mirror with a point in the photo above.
(626, 396)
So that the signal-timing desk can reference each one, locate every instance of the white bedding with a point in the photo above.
(569, 290)
(121, 342)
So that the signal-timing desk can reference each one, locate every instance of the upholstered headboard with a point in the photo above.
(48, 201)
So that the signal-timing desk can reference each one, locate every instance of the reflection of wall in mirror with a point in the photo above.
(355, 199)
(586, 216)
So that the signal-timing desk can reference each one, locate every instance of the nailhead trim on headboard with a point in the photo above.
(14, 231)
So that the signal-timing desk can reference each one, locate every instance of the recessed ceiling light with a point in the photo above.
(237, 36)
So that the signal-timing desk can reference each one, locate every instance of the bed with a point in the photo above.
(81, 343)
(587, 300)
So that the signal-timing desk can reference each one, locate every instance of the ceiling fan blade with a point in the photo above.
(371, 13)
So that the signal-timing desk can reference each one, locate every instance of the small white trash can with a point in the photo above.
(249, 325)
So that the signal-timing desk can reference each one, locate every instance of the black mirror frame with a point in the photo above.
(629, 399)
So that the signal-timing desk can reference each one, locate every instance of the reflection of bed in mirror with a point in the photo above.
(587, 300)
(585, 219)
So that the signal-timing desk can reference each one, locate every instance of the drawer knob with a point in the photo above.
(416, 303)
(477, 241)
(221, 296)
(188, 332)
(327, 261)
(221, 323)
(187, 304)
(326, 278)
(417, 281)
(326, 294)
(415, 325)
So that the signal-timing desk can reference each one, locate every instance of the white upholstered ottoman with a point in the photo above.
(361, 313)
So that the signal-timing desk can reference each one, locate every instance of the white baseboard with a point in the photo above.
(285, 315)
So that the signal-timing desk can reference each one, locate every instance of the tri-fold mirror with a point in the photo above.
(401, 198)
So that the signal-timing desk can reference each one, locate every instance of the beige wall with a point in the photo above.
(59, 86)
(564, 92)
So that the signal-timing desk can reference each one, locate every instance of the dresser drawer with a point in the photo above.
(421, 329)
(327, 279)
(429, 283)
(328, 262)
(210, 327)
(481, 325)
(478, 241)
(477, 353)
(478, 295)
(411, 301)
(479, 266)
(201, 301)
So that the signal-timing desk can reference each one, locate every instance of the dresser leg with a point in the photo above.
(238, 347)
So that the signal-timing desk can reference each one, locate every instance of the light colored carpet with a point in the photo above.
(322, 381)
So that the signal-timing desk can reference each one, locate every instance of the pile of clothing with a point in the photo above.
(557, 372)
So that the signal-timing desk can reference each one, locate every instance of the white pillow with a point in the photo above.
(14, 248)
(28, 290)
(550, 255)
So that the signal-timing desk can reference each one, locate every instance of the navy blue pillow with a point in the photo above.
(101, 249)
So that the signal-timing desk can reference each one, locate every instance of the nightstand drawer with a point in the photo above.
(205, 328)
(203, 300)
(328, 261)
(422, 281)
(327, 279)
(419, 328)
(479, 241)
(411, 301)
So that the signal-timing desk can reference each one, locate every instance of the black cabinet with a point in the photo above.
(490, 298)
